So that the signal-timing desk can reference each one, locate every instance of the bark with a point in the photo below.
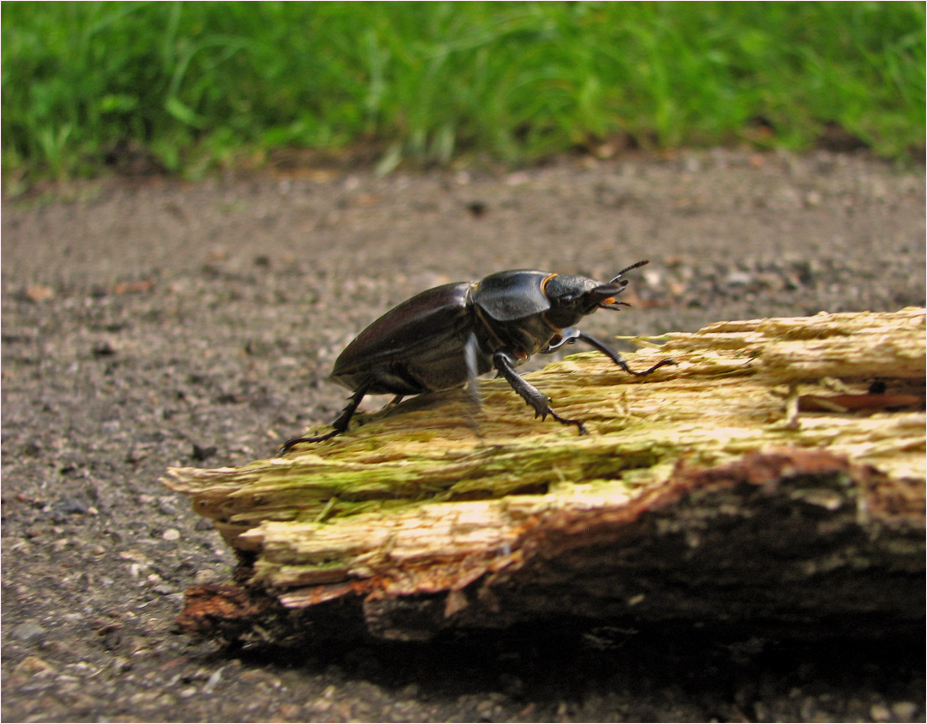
(774, 477)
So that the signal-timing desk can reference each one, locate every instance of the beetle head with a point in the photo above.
(573, 297)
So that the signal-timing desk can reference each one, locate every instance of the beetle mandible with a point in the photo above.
(445, 337)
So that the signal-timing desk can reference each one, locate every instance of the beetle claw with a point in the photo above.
(289, 444)
(580, 426)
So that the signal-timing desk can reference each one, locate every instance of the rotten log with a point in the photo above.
(774, 477)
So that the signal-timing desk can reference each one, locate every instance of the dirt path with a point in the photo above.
(155, 324)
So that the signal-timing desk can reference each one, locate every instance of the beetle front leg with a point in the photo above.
(339, 425)
(612, 355)
(505, 364)
(564, 336)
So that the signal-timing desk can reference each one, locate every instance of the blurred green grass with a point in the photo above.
(200, 85)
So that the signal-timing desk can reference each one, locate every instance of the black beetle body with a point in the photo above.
(445, 337)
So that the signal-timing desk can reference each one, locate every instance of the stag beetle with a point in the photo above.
(445, 337)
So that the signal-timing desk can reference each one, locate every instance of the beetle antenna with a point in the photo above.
(629, 268)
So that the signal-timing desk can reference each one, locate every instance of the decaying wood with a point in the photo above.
(775, 475)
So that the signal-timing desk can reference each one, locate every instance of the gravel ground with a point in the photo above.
(150, 323)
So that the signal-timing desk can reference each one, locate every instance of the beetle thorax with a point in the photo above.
(510, 312)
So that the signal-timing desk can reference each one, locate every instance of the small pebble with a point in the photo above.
(39, 293)
(739, 278)
(27, 631)
(34, 666)
(904, 710)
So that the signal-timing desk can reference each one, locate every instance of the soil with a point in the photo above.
(150, 323)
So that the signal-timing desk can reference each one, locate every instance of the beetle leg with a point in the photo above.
(505, 363)
(564, 336)
(473, 386)
(470, 348)
(616, 358)
(339, 425)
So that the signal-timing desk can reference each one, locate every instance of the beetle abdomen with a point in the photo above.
(415, 347)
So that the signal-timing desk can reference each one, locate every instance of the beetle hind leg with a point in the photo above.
(339, 425)
(285, 448)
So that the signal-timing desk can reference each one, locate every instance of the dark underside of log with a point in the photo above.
(795, 525)
(780, 541)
